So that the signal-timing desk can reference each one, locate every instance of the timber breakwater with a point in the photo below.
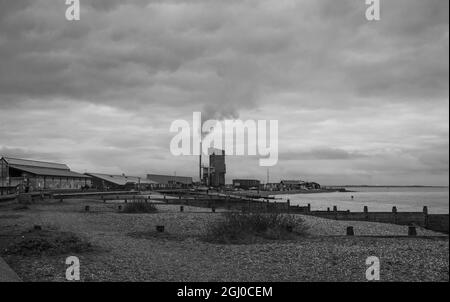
(233, 202)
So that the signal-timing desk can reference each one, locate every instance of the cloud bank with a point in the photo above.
(357, 101)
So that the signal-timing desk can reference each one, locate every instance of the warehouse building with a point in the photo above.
(169, 181)
(108, 182)
(31, 175)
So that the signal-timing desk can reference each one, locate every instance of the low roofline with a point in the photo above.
(118, 175)
(49, 172)
(114, 178)
(165, 175)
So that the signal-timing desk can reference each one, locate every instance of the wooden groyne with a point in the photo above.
(435, 222)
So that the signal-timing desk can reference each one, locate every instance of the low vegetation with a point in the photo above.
(157, 235)
(47, 242)
(242, 228)
(21, 208)
(139, 207)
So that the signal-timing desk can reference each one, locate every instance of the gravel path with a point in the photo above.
(181, 255)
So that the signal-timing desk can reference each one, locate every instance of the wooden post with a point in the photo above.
(425, 213)
(350, 231)
(394, 212)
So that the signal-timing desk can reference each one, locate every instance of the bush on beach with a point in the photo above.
(236, 228)
(139, 207)
(48, 242)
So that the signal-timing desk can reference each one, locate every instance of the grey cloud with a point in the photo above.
(11, 7)
(254, 50)
(161, 60)
(321, 154)
(29, 154)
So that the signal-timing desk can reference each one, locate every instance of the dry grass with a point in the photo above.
(21, 208)
(139, 207)
(47, 242)
(243, 228)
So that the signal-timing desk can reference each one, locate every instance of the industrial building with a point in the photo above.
(246, 183)
(272, 186)
(30, 175)
(169, 181)
(298, 185)
(293, 185)
(214, 174)
(108, 182)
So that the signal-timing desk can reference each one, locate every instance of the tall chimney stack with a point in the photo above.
(200, 164)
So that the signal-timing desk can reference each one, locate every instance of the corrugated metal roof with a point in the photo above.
(121, 180)
(49, 172)
(35, 163)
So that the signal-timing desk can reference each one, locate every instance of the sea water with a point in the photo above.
(377, 199)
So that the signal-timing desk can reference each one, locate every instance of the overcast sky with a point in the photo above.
(358, 102)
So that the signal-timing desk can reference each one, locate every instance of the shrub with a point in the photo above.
(139, 207)
(254, 227)
(21, 208)
(38, 242)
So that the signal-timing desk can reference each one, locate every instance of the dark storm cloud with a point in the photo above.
(335, 81)
(237, 50)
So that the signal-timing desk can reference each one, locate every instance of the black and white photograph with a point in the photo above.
(224, 147)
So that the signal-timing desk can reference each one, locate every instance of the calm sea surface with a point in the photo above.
(377, 199)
